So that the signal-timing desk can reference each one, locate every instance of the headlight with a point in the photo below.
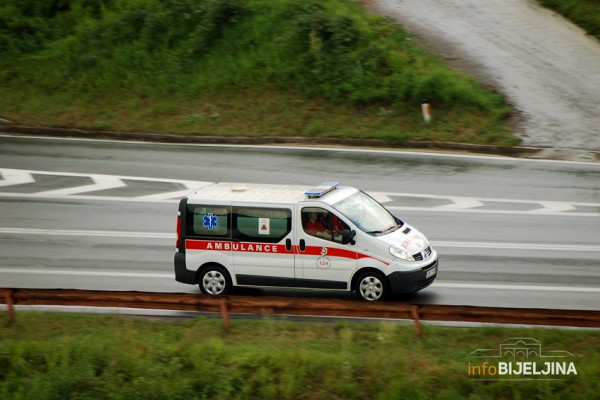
(400, 253)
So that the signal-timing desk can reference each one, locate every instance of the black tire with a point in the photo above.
(371, 286)
(214, 281)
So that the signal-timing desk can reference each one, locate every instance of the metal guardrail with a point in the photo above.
(297, 306)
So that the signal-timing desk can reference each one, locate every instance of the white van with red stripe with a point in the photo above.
(330, 237)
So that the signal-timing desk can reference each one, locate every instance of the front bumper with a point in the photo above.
(413, 281)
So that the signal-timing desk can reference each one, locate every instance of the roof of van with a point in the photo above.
(254, 192)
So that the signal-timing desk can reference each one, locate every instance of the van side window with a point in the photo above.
(321, 223)
(213, 221)
(258, 224)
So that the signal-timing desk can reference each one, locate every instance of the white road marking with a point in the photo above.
(477, 205)
(556, 206)
(515, 246)
(486, 286)
(69, 232)
(541, 212)
(170, 276)
(140, 199)
(381, 197)
(101, 182)
(189, 187)
(15, 177)
(12, 172)
(456, 203)
(435, 243)
(116, 274)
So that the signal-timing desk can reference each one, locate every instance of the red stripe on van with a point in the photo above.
(249, 247)
(336, 252)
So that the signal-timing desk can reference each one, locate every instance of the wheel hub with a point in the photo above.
(371, 288)
(214, 282)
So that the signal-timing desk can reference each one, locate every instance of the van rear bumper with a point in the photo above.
(413, 281)
(182, 274)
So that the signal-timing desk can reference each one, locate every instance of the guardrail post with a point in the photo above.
(9, 297)
(414, 312)
(224, 313)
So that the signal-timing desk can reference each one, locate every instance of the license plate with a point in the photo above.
(431, 273)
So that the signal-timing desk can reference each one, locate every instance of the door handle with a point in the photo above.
(288, 244)
(302, 245)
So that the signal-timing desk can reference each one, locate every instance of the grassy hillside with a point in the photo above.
(233, 67)
(46, 356)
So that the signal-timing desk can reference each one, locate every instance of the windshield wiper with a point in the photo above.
(390, 229)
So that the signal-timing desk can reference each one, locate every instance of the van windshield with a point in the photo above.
(367, 214)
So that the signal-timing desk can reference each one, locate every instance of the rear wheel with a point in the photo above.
(215, 281)
(371, 286)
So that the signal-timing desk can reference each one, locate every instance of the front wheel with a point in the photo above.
(215, 281)
(371, 286)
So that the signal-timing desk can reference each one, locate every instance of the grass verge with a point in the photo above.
(64, 356)
(234, 67)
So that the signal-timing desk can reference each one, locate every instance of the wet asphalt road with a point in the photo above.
(101, 215)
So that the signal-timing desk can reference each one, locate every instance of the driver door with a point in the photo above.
(325, 262)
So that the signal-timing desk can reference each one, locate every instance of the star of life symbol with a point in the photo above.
(210, 221)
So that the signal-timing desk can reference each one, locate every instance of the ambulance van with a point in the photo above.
(330, 237)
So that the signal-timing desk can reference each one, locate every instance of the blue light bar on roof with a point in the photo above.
(320, 190)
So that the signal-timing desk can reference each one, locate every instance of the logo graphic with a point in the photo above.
(210, 221)
(264, 226)
(520, 359)
(323, 251)
(323, 263)
(519, 348)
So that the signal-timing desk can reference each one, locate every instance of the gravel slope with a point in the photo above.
(547, 67)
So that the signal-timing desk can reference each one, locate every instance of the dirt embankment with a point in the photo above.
(547, 67)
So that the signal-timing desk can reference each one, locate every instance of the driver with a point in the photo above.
(314, 225)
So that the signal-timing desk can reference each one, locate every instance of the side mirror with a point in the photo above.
(348, 237)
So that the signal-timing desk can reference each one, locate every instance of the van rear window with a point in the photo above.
(209, 221)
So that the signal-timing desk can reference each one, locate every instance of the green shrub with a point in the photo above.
(78, 57)
(585, 13)
(329, 49)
